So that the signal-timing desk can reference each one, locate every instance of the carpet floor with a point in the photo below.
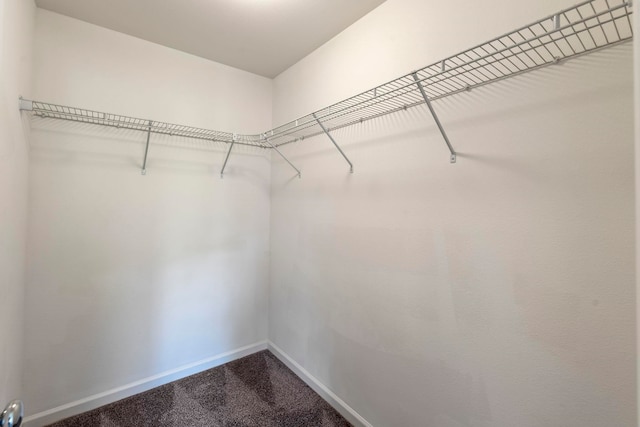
(255, 391)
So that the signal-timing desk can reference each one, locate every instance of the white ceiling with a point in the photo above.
(261, 36)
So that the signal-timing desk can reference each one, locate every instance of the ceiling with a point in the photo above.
(264, 37)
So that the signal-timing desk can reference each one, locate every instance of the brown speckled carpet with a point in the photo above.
(255, 391)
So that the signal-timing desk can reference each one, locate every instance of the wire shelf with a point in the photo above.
(61, 112)
(581, 29)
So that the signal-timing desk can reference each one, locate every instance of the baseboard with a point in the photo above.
(340, 405)
(92, 402)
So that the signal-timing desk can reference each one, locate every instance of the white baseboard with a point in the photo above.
(340, 405)
(92, 402)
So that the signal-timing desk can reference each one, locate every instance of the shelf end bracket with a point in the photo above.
(453, 156)
(326, 132)
(26, 104)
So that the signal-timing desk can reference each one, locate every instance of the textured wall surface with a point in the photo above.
(131, 276)
(16, 32)
(498, 291)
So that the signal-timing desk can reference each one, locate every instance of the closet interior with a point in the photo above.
(454, 247)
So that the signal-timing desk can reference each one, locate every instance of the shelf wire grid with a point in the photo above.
(581, 29)
(60, 112)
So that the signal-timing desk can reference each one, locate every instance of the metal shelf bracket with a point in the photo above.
(326, 132)
(26, 105)
(453, 156)
(226, 159)
(266, 140)
(146, 150)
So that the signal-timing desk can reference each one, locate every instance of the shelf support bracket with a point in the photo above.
(26, 105)
(226, 159)
(266, 140)
(453, 156)
(326, 132)
(146, 150)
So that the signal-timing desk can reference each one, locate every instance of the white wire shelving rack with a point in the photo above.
(584, 28)
(44, 110)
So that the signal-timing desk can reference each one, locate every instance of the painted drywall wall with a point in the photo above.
(636, 55)
(131, 276)
(498, 291)
(16, 27)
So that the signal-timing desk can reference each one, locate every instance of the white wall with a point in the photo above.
(636, 54)
(498, 291)
(16, 27)
(132, 276)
